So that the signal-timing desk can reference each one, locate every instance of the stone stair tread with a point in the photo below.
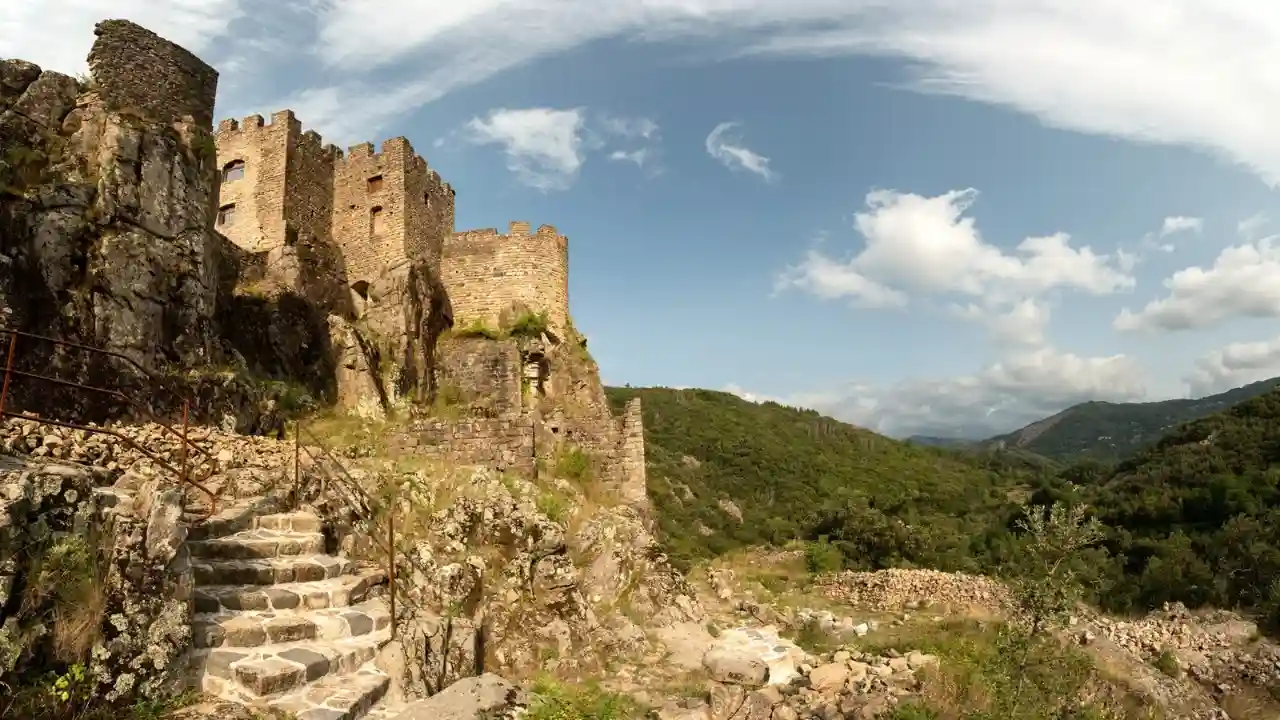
(384, 710)
(253, 628)
(336, 697)
(268, 571)
(336, 592)
(258, 543)
(271, 670)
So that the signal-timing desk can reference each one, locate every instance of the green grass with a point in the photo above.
(556, 701)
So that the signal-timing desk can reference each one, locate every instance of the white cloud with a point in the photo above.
(639, 157)
(1022, 324)
(1251, 227)
(1179, 223)
(1024, 387)
(543, 146)
(1096, 66)
(927, 246)
(1235, 365)
(546, 147)
(1244, 281)
(724, 143)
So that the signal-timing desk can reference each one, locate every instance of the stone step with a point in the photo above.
(269, 670)
(241, 515)
(336, 697)
(297, 521)
(269, 571)
(384, 710)
(337, 592)
(264, 627)
(259, 543)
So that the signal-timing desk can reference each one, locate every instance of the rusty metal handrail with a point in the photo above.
(183, 437)
(352, 487)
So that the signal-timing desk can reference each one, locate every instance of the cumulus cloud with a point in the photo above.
(1235, 365)
(916, 245)
(1244, 281)
(724, 143)
(1178, 223)
(1018, 390)
(543, 146)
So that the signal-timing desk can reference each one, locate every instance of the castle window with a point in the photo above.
(226, 214)
(426, 200)
(233, 171)
(376, 222)
(375, 184)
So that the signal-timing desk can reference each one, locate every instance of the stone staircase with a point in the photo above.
(281, 624)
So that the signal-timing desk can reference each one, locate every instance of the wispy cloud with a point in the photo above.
(1096, 66)
(1180, 223)
(724, 143)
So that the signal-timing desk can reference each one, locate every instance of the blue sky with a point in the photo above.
(919, 216)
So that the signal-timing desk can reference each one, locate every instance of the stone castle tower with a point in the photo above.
(374, 211)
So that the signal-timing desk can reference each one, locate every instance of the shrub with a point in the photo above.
(822, 557)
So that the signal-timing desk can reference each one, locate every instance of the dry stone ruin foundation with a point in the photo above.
(234, 274)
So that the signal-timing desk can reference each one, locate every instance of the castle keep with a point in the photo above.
(368, 236)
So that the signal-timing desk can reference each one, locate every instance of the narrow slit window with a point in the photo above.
(233, 171)
(426, 200)
(226, 214)
(375, 184)
(376, 221)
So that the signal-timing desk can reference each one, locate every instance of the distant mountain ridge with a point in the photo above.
(1114, 431)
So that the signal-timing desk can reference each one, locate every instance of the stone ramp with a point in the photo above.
(281, 624)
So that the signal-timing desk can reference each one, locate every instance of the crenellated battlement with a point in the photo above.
(487, 272)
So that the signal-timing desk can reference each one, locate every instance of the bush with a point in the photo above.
(822, 557)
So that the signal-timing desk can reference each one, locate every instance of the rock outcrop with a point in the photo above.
(108, 193)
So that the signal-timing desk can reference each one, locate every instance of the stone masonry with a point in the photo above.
(377, 208)
(487, 273)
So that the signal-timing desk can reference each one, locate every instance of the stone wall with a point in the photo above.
(383, 208)
(484, 374)
(135, 69)
(631, 455)
(257, 221)
(486, 273)
(498, 443)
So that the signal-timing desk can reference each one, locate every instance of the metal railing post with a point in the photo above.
(391, 566)
(186, 410)
(8, 370)
(297, 463)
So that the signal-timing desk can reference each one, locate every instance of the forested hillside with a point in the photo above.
(793, 473)
(1194, 517)
(1115, 431)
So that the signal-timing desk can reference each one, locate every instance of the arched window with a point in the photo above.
(233, 171)
(376, 222)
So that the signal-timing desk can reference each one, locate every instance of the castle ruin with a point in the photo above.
(344, 230)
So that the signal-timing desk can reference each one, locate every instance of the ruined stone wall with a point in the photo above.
(498, 443)
(135, 69)
(630, 456)
(486, 273)
(486, 374)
